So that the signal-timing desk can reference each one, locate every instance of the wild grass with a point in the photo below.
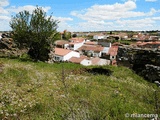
(41, 91)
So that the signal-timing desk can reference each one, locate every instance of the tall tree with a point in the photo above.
(34, 31)
(66, 35)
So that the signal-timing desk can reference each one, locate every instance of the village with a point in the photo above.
(100, 49)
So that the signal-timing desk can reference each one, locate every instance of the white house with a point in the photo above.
(98, 37)
(91, 50)
(61, 44)
(61, 54)
(95, 61)
(76, 43)
(86, 62)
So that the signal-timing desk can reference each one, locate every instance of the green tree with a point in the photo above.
(34, 31)
(57, 36)
(74, 35)
(66, 35)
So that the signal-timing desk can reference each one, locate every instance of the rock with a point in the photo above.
(8, 48)
(144, 61)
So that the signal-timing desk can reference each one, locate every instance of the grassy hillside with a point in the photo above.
(41, 91)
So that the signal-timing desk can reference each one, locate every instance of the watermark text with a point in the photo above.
(136, 115)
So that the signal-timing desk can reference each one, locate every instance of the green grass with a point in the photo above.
(41, 91)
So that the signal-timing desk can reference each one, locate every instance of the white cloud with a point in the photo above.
(63, 19)
(63, 25)
(130, 24)
(111, 12)
(4, 3)
(5, 18)
(6, 11)
(136, 24)
(150, 0)
(120, 16)
(3, 11)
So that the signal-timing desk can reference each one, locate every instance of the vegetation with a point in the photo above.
(66, 35)
(34, 31)
(63, 91)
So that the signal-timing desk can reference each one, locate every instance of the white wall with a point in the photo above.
(78, 45)
(58, 58)
(71, 54)
(86, 62)
(97, 37)
(104, 62)
(112, 57)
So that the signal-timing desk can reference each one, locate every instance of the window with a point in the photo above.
(57, 58)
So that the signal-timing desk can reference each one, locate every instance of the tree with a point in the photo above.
(34, 31)
(57, 36)
(66, 35)
(74, 35)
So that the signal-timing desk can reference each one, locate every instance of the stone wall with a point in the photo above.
(144, 61)
(8, 48)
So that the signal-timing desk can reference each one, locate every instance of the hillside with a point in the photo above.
(41, 91)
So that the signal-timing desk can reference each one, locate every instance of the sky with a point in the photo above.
(89, 15)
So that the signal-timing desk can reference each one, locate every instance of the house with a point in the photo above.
(76, 43)
(94, 61)
(91, 50)
(110, 54)
(104, 43)
(104, 52)
(148, 44)
(61, 54)
(143, 37)
(87, 61)
(77, 59)
(113, 52)
(134, 37)
(61, 44)
(153, 38)
(99, 37)
(123, 36)
(99, 61)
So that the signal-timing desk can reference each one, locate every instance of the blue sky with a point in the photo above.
(90, 15)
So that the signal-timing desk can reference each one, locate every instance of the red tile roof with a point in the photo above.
(95, 60)
(91, 43)
(61, 42)
(76, 40)
(96, 48)
(113, 50)
(61, 52)
(77, 60)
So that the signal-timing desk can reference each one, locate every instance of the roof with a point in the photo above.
(76, 40)
(95, 60)
(91, 43)
(117, 44)
(61, 52)
(145, 43)
(113, 50)
(61, 42)
(96, 48)
(77, 60)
